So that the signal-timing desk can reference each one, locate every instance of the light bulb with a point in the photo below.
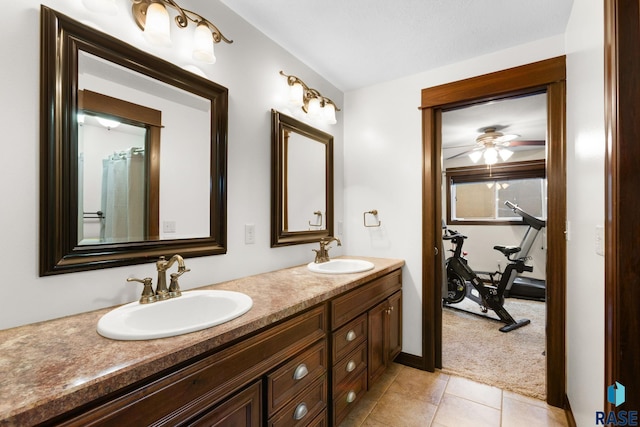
(203, 44)
(157, 25)
(491, 156)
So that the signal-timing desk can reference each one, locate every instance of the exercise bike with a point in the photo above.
(462, 280)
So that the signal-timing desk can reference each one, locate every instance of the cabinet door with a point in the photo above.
(376, 341)
(242, 410)
(395, 327)
(385, 334)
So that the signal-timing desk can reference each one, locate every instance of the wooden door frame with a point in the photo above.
(622, 180)
(545, 76)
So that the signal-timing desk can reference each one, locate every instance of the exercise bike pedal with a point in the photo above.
(519, 324)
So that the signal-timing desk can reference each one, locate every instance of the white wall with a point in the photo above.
(585, 209)
(383, 166)
(248, 68)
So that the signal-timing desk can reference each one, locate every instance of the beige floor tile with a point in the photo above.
(517, 412)
(455, 411)
(396, 409)
(385, 380)
(358, 414)
(477, 392)
(427, 386)
(506, 394)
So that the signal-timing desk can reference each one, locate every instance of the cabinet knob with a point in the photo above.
(351, 335)
(300, 412)
(351, 366)
(300, 372)
(351, 396)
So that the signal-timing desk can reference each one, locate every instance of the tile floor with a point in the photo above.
(406, 397)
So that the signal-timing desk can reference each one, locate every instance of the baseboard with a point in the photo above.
(411, 360)
(569, 413)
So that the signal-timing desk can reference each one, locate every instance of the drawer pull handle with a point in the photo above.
(300, 412)
(351, 335)
(300, 372)
(351, 396)
(351, 366)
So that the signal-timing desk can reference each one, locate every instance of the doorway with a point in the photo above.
(494, 154)
(548, 76)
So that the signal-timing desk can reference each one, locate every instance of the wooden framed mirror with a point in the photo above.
(301, 183)
(176, 195)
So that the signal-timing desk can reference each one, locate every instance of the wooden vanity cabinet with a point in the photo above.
(307, 370)
(228, 387)
(366, 336)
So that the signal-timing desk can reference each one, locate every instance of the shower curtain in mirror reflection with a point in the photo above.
(123, 196)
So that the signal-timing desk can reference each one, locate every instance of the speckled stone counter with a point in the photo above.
(49, 368)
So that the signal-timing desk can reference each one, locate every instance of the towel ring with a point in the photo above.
(375, 215)
(318, 214)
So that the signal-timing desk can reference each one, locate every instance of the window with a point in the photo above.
(476, 194)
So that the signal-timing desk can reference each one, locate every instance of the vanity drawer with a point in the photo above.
(347, 338)
(290, 379)
(361, 299)
(304, 408)
(352, 364)
(347, 396)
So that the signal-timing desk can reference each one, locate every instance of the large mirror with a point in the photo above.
(133, 154)
(302, 182)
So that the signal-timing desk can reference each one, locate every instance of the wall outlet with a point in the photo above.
(249, 234)
(169, 226)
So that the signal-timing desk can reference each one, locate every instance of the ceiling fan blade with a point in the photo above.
(466, 152)
(533, 142)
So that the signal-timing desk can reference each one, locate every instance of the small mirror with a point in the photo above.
(302, 182)
(133, 154)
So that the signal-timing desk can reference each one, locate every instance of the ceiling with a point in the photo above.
(358, 43)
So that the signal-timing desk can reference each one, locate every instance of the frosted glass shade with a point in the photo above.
(490, 156)
(296, 94)
(505, 154)
(203, 45)
(157, 25)
(475, 156)
(329, 113)
(313, 108)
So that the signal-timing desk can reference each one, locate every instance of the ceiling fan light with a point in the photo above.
(490, 156)
(475, 156)
(505, 154)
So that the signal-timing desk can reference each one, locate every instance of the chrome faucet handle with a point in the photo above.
(148, 296)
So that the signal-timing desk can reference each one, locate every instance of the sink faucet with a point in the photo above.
(322, 254)
(162, 265)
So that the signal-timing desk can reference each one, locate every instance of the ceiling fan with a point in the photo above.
(492, 144)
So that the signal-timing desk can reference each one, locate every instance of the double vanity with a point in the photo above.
(304, 353)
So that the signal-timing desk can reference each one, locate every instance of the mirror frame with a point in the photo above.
(281, 123)
(61, 39)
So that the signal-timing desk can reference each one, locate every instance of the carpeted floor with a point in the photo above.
(474, 348)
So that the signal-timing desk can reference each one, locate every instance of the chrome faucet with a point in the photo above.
(322, 254)
(162, 265)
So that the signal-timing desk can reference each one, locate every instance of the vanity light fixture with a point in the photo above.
(153, 19)
(316, 106)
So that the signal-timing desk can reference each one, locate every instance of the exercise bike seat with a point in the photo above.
(507, 250)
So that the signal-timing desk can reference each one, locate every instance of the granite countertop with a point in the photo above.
(51, 367)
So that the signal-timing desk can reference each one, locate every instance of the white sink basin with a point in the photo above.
(193, 311)
(341, 266)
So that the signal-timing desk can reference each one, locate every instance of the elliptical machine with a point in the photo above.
(462, 280)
